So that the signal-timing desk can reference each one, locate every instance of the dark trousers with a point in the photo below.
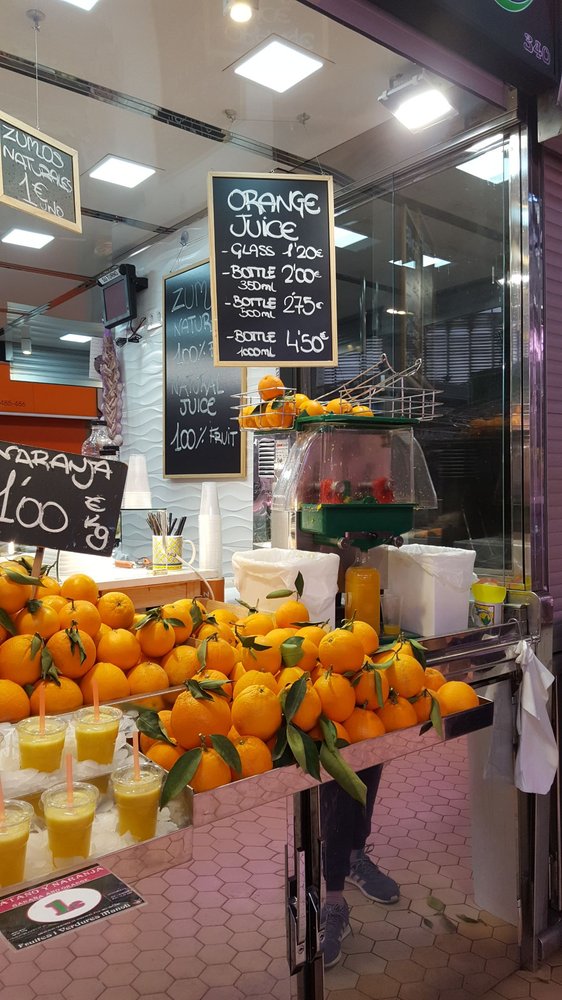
(345, 825)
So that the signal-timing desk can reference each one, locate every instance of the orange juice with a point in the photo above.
(69, 824)
(137, 800)
(14, 834)
(42, 751)
(95, 738)
(362, 595)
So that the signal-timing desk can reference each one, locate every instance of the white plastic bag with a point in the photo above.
(435, 583)
(259, 572)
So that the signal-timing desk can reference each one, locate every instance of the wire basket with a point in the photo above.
(253, 413)
(389, 393)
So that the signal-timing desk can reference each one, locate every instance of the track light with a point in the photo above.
(240, 11)
(416, 101)
(25, 345)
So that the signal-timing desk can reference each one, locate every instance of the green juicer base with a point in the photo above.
(332, 521)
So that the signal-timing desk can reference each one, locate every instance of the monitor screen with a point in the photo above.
(119, 301)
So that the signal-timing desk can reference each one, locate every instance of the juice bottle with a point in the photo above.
(362, 593)
(95, 738)
(137, 800)
(69, 824)
(42, 751)
(14, 834)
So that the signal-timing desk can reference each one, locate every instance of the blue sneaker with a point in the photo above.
(337, 928)
(373, 883)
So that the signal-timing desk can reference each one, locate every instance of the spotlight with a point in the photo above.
(240, 11)
(416, 101)
(25, 345)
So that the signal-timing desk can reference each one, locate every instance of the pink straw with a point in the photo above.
(136, 760)
(42, 709)
(1, 800)
(96, 697)
(69, 779)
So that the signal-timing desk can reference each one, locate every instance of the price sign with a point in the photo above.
(272, 270)
(60, 500)
(39, 174)
(202, 439)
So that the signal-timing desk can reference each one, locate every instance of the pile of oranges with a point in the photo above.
(278, 406)
(236, 671)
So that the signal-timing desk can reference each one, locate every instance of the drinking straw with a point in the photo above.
(96, 697)
(1, 800)
(136, 760)
(42, 709)
(69, 779)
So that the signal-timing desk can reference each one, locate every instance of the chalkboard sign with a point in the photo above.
(39, 174)
(59, 500)
(202, 439)
(273, 270)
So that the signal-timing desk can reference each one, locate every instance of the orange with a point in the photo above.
(289, 613)
(237, 672)
(103, 630)
(363, 724)
(156, 638)
(112, 683)
(280, 413)
(54, 601)
(405, 675)
(193, 718)
(233, 734)
(341, 732)
(164, 755)
(270, 387)
(255, 756)
(84, 613)
(13, 595)
(362, 411)
(366, 635)
(256, 712)
(136, 621)
(225, 616)
(313, 408)
(403, 646)
(16, 662)
(366, 688)
(215, 675)
(116, 609)
(49, 586)
(338, 406)
(422, 706)
(309, 710)
(397, 713)
(165, 718)
(119, 646)
(14, 703)
(80, 587)
(278, 635)
(181, 610)
(456, 696)
(58, 699)
(147, 677)
(254, 677)
(313, 632)
(206, 631)
(212, 772)
(220, 655)
(287, 676)
(301, 401)
(180, 664)
(341, 651)
(434, 679)
(157, 704)
(67, 655)
(245, 417)
(336, 695)
(256, 623)
(308, 655)
(41, 619)
(3, 634)
(268, 660)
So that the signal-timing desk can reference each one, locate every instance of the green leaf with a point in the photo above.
(211, 685)
(48, 670)
(16, 577)
(276, 593)
(280, 744)
(76, 642)
(291, 650)
(386, 663)
(7, 622)
(329, 732)
(247, 606)
(149, 724)
(174, 622)
(249, 642)
(197, 690)
(299, 584)
(426, 727)
(180, 775)
(29, 689)
(435, 717)
(150, 616)
(378, 688)
(202, 653)
(334, 764)
(36, 644)
(435, 904)
(419, 652)
(311, 754)
(33, 606)
(228, 752)
(294, 697)
(196, 615)
(295, 741)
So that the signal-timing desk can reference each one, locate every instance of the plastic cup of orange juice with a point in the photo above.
(42, 751)
(95, 737)
(69, 824)
(14, 834)
(137, 799)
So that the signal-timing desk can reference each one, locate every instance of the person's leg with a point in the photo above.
(339, 816)
(363, 873)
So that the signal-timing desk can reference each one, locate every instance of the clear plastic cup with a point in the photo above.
(14, 834)
(95, 738)
(42, 751)
(69, 824)
(137, 799)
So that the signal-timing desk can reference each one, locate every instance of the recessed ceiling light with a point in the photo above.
(115, 170)
(490, 166)
(240, 11)
(76, 338)
(278, 66)
(27, 238)
(83, 4)
(346, 237)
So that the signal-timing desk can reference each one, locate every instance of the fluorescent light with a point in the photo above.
(83, 4)
(346, 237)
(278, 66)
(488, 167)
(115, 170)
(399, 312)
(401, 263)
(27, 238)
(25, 345)
(76, 338)
(434, 261)
(135, 252)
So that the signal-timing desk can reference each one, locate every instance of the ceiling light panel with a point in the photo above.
(346, 237)
(82, 4)
(278, 66)
(76, 338)
(27, 238)
(490, 166)
(126, 173)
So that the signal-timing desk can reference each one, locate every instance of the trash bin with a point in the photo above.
(259, 572)
(435, 583)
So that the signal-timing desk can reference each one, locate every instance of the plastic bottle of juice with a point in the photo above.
(362, 592)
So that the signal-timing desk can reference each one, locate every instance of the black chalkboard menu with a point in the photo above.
(272, 269)
(59, 500)
(39, 174)
(202, 439)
